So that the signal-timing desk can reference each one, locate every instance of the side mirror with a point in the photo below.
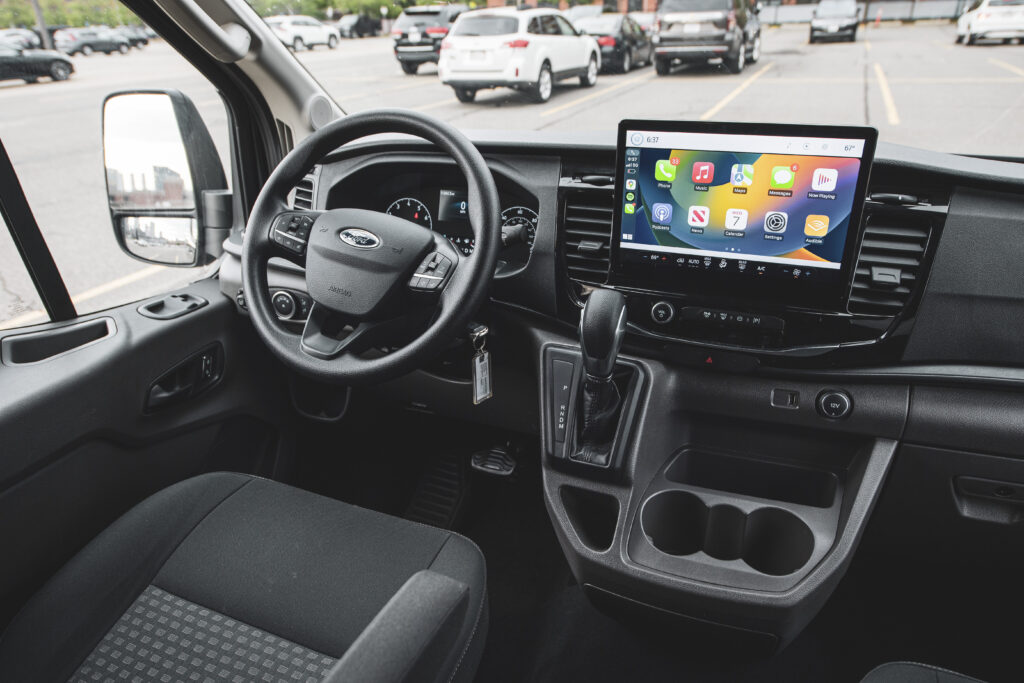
(758, 6)
(162, 172)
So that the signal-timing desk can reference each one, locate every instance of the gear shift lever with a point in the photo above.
(602, 327)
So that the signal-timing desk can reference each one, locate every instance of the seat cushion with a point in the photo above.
(221, 560)
(912, 672)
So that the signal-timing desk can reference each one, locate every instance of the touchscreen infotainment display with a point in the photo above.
(740, 209)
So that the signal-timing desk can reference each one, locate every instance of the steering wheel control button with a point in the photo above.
(431, 273)
(834, 404)
(663, 312)
(284, 305)
(291, 231)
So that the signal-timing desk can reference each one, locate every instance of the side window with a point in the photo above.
(53, 134)
(534, 27)
(549, 26)
(564, 27)
(19, 302)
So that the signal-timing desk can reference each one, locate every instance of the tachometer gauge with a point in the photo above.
(520, 216)
(411, 210)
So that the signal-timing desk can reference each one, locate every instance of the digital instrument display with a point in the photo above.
(740, 210)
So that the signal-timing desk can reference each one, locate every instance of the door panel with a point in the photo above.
(78, 450)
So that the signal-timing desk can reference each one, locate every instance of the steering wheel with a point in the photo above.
(374, 279)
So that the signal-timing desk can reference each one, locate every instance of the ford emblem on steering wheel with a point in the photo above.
(359, 238)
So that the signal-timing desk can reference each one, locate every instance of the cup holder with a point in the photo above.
(770, 540)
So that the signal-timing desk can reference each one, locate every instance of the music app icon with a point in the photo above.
(703, 172)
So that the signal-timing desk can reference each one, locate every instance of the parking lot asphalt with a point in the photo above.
(910, 81)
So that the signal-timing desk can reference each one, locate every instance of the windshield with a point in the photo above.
(836, 9)
(1005, 3)
(598, 25)
(692, 6)
(486, 26)
(409, 19)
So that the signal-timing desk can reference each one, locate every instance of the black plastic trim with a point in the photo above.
(30, 243)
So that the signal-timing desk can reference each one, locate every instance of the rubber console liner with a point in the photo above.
(166, 638)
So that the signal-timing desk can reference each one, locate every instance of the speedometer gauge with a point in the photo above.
(411, 210)
(520, 215)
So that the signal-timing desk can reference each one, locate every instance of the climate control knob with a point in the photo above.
(663, 312)
(284, 304)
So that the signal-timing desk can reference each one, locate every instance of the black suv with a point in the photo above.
(418, 33)
(702, 30)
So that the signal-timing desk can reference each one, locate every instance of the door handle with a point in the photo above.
(187, 379)
(159, 396)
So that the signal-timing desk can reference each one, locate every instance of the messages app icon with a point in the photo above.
(782, 178)
(665, 171)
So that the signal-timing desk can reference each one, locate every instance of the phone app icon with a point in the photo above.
(664, 170)
(824, 179)
(703, 172)
(736, 219)
(629, 208)
(742, 175)
(776, 221)
(782, 178)
(662, 212)
(630, 184)
(816, 226)
(698, 216)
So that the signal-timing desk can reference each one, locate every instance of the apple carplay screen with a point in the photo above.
(740, 211)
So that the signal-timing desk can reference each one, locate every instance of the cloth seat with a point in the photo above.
(912, 672)
(228, 577)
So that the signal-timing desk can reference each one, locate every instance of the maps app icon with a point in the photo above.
(662, 213)
(742, 175)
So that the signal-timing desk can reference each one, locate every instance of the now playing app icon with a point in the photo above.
(662, 213)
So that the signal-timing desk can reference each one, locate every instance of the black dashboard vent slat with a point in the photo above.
(891, 241)
(587, 231)
(305, 192)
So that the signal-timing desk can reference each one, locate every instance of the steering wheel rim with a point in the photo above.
(465, 289)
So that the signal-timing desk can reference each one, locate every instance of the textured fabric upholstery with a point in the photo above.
(310, 572)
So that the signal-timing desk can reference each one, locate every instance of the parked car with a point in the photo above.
(645, 20)
(20, 37)
(418, 33)
(357, 26)
(136, 35)
(30, 64)
(703, 30)
(574, 14)
(85, 41)
(527, 50)
(300, 32)
(835, 20)
(991, 20)
(623, 43)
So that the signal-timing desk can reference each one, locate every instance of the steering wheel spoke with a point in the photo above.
(289, 234)
(328, 335)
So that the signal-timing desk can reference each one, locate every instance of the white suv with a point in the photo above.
(298, 32)
(523, 49)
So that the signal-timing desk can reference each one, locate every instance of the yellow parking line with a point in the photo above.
(598, 93)
(1009, 67)
(890, 103)
(39, 316)
(735, 93)
(434, 105)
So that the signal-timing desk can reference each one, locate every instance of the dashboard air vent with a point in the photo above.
(304, 192)
(889, 265)
(587, 234)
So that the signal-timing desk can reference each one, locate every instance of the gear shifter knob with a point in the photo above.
(602, 327)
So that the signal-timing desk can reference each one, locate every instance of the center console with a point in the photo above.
(719, 501)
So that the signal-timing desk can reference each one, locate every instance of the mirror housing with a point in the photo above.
(161, 163)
